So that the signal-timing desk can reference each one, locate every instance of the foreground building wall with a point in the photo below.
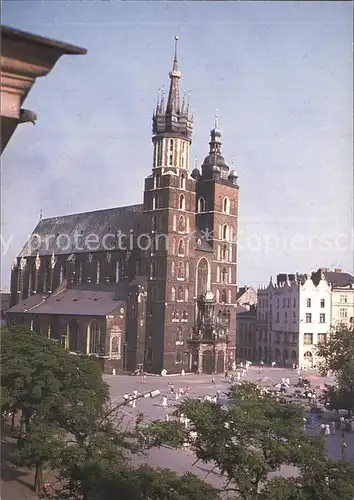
(24, 58)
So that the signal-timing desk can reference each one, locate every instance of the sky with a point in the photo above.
(280, 74)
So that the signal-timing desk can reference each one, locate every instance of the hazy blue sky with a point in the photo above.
(280, 74)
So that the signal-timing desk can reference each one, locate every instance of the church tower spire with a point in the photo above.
(173, 103)
(172, 125)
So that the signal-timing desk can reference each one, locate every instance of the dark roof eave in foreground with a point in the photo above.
(65, 48)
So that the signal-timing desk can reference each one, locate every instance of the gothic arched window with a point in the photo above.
(202, 276)
(226, 206)
(153, 224)
(229, 297)
(181, 271)
(181, 224)
(173, 294)
(201, 205)
(62, 274)
(181, 202)
(185, 315)
(182, 183)
(225, 232)
(175, 314)
(186, 295)
(224, 252)
(181, 247)
(98, 272)
(94, 342)
(115, 345)
(179, 336)
(217, 295)
(119, 270)
(173, 269)
(152, 270)
(155, 202)
(223, 296)
(137, 268)
(187, 270)
(157, 181)
(170, 152)
(224, 275)
(159, 153)
(180, 293)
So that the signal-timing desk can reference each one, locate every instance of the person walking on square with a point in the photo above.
(164, 402)
(333, 427)
(172, 388)
(327, 430)
(343, 448)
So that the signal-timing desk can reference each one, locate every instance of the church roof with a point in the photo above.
(75, 301)
(46, 237)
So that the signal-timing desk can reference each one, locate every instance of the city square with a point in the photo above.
(199, 387)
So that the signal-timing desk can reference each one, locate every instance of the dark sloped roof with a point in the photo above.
(26, 304)
(46, 238)
(339, 279)
(72, 301)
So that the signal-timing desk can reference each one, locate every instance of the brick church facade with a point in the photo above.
(149, 286)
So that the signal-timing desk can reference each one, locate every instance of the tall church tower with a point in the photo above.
(169, 206)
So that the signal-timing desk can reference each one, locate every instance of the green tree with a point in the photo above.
(248, 441)
(337, 350)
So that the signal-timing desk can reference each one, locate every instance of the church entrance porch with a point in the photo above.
(207, 357)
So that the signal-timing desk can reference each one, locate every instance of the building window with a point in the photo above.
(322, 318)
(137, 268)
(322, 302)
(159, 153)
(229, 297)
(119, 271)
(179, 357)
(187, 270)
(185, 315)
(224, 275)
(308, 302)
(115, 345)
(224, 252)
(343, 313)
(308, 318)
(173, 294)
(203, 276)
(153, 224)
(182, 183)
(225, 232)
(226, 206)
(155, 202)
(152, 270)
(294, 302)
(170, 152)
(98, 272)
(186, 295)
(173, 269)
(308, 338)
(286, 316)
(277, 316)
(179, 336)
(62, 275)
(181, 271)
(288, 302)
(321, 338)
(181, 248)
(180, 294)
(294, 317)
(223, 297)
(343, 299)
(181, 202)
(94, 344)
(201, 205)
(156, 181)
(175, 314)
(181, 224)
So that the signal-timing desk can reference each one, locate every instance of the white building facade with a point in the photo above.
(297, 313)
